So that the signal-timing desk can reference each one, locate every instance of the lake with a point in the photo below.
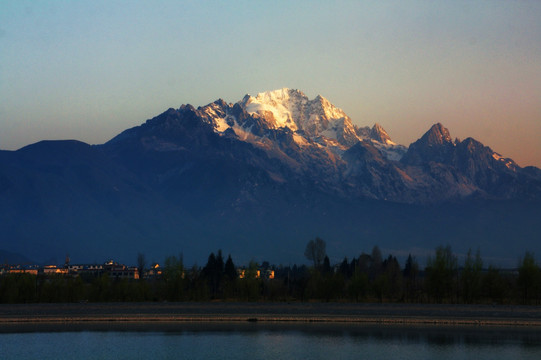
(265, 341)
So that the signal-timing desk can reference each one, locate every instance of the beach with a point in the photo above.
(301, 312)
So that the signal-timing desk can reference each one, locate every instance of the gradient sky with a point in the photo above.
(87, 70)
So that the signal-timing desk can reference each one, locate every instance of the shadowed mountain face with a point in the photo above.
(259, 178)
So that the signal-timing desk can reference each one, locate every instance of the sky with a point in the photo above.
(88, 70)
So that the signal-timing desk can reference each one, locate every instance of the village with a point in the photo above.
(368, 278)
(111, 268)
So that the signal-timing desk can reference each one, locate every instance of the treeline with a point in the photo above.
(367, 278)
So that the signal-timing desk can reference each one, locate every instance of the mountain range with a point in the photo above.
(258, 179)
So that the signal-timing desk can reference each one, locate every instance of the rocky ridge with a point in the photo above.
(276, 167)
(316, 143)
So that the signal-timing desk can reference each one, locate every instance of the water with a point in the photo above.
(266, 341)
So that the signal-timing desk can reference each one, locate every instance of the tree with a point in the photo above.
(528, 277)
(363, 264)
(494, 285)
(250, 286)
(440, 273)
(344, 268)
(230, 278)
(358, 285)
(391, 269)
(173, 275)
(471, 277)
(315, 251)
(381, 286)
(376, 263)
(229, 269)
(411, 271)
(141, 264)
(219, 263)
(18, 288)
(101, 289)
(326, 265)
(213, 272)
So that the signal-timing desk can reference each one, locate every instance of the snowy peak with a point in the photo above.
(281, 138)
(329, 110)
(280, 108)
(379, 134)
(285, 97)
(291, 108)
(314, 122)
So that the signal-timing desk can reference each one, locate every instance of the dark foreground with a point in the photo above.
(271, 312)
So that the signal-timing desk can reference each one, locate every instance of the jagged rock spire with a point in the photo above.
(435, 145)
(378, 133)
(437, 135)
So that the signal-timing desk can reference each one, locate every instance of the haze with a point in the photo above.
(88, 70)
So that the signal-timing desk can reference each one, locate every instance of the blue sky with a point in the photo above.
(87, 70)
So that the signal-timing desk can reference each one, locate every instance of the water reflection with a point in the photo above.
(438, 335)
(269, 341)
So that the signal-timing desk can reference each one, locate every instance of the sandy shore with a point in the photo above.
(425, 314)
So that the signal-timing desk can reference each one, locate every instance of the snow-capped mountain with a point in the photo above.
(314, 122)
(286, 108)
(315, 142)
(276, 166)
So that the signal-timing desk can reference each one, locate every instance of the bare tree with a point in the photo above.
(315, 251)
(141, 264)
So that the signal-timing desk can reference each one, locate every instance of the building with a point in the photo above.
(54, 270)
(154, 271)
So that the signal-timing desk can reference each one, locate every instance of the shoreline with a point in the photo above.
(223, 312)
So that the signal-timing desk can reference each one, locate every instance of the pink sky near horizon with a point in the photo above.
(89, 70)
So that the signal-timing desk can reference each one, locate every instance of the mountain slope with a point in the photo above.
(259, 178)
